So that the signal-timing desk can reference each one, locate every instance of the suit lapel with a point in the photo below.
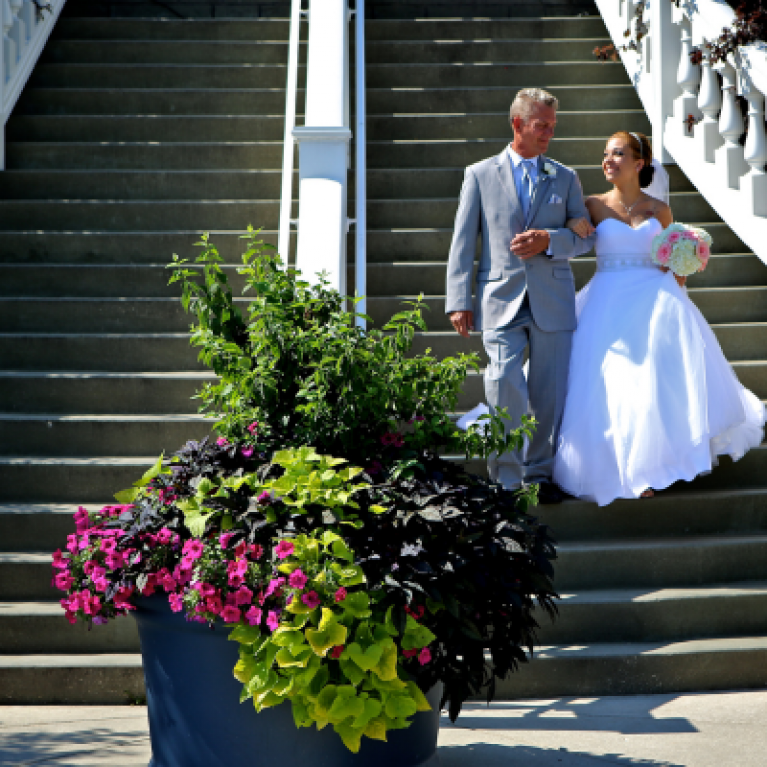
(503, 166)
(541, 189)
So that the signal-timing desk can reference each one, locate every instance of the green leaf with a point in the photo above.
(351, 671)
(400, 706)
(366, 659)
(351, 736)
(247, 635)
(357, 604)
(329, 634)
(421, 702)
(386, 668)
(151, 473)
(127, 496)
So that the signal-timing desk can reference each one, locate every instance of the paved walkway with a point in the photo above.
(703, 730)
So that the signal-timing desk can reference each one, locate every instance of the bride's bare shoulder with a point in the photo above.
(596, 204)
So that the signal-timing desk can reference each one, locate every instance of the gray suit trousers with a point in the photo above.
(541, 394)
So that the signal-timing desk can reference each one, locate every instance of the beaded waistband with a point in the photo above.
(613, 263)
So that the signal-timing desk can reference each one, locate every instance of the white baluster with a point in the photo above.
(729, 158)
(9, 46)
(29, 16)
(754, 184)
(709, 103)
(687, 77)
(18, 32)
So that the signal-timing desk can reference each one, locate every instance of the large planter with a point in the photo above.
(196, 719)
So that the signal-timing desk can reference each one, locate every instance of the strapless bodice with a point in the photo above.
(620, 246)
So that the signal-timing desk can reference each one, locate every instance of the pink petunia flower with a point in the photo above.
(297, 579)
(284, 549)
(224, 538)
(253, 428)
(424, 656)
(222, 441)
(213, 604)
(240, 549)
(311, 599)
(243, 596)
(264, 497)
(63, 581)
(409, 653)
(273, 620)
(165, 536)
(193, 549)
(247, 451)
(255, 551)
(340, 595)
(274, 586)
(230, 614)
(253, 616)
(82, 520)
(176, 602)
(337, 651)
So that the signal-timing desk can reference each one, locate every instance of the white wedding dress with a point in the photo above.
(651, 398)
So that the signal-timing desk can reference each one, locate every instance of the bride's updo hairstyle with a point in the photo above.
(642, 150)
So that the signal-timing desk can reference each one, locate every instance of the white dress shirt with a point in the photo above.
(518, 173)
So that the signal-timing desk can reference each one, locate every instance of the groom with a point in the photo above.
(518, 203)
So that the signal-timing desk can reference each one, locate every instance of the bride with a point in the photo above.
(651, 398)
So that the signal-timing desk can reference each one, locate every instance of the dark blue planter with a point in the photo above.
(196, 719)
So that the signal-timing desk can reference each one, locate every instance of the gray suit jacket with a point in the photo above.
(489, 207)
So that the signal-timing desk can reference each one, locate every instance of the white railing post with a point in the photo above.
(323, 147)
(754, 184)
(18, 33)
(288, 146)
(688, 78)
(360, 185)
(664, 42)
(9, 46)
(729, 158)
(709, 103)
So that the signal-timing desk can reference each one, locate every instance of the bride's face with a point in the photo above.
(619, 163)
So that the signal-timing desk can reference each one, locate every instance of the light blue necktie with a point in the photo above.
(527, 185)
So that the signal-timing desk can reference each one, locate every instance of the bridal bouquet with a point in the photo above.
(684, 249)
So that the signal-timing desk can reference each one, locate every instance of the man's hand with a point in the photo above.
(530, 243)
(463, 322)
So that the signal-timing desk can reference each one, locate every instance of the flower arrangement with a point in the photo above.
(682, 248)
(350, 589)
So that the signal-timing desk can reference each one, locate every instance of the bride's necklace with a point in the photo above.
(627, 208)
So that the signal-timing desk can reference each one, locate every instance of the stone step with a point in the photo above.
(101, 393)
(126, 215)
(386, 184)
(631, 564)
(653, 615)
(95, 679)
(718, 305)
(166, 352)
(190, 101)
(675, 513)
(661, 563)
(617, 615)
(638, 668)
(228, 52)
(88, 435)
(67, 480)
(238, 213)
(216, 128)
(39, 627)
(278, 29)
(148, 315)
(163, 76)
(596, 669)
(741, 270)
(739, 341)
(226, 128)
(150, 156)
(508, 74)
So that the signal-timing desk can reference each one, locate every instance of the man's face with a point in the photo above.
(534, 134)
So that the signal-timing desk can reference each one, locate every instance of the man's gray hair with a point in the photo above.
(527, 98)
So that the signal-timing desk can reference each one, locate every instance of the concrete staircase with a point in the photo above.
(135, 134)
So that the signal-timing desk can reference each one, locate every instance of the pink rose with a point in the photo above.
(688, 234)
(664, 253)
(674, 237)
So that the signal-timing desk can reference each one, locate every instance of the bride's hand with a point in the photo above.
(681, 281)
(581, 226)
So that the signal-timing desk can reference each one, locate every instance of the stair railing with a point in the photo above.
(360, 180)
(26, 25)
(324, 158)
(693, 108)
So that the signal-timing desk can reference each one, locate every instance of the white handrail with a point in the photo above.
(288, 147)
(360, 232)
(696, 119)
(25, 30)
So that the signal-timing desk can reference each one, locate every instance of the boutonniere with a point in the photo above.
(549, 170)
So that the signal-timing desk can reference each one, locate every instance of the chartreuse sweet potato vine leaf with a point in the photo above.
(333, 656)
